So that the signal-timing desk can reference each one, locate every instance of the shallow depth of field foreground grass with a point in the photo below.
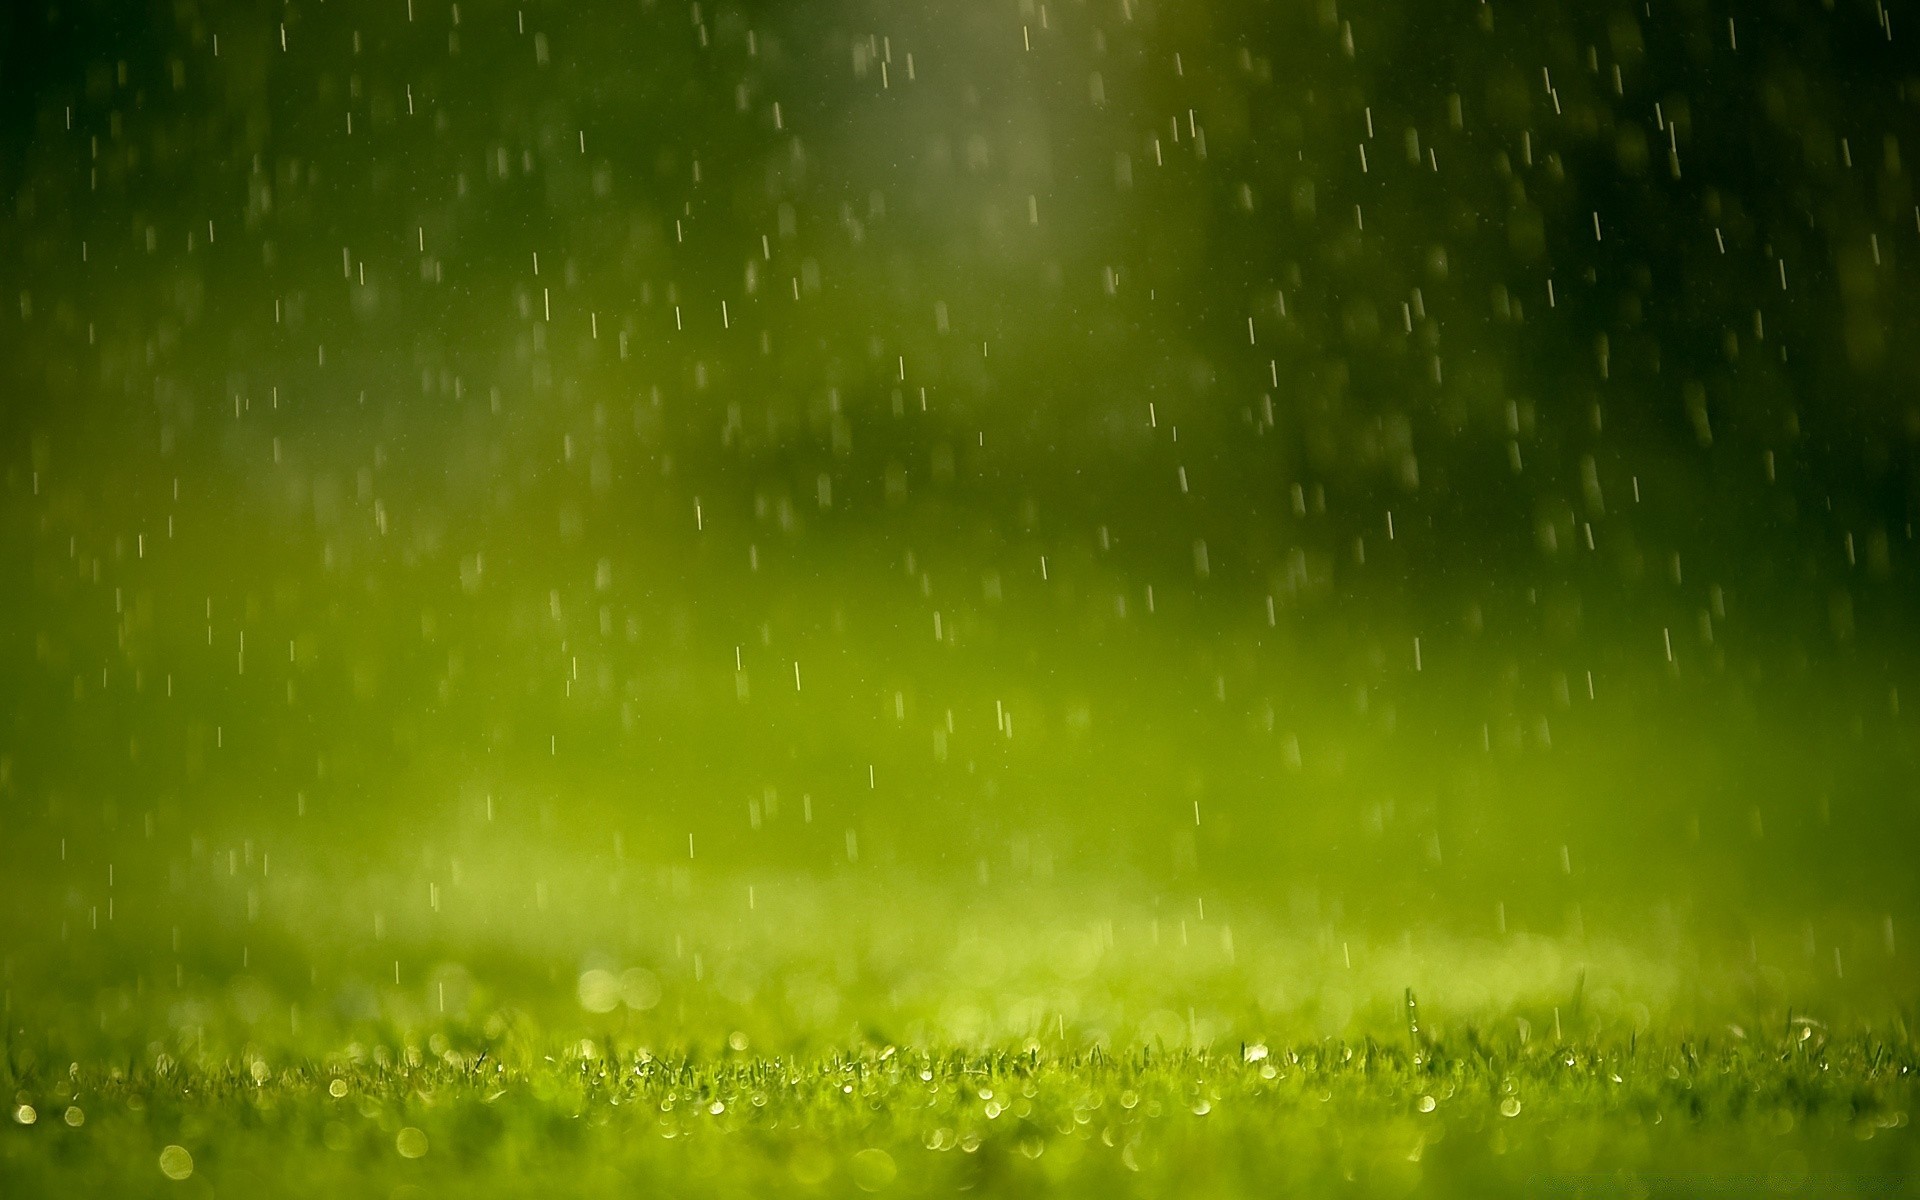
(1795, 1111)
(876, 1035)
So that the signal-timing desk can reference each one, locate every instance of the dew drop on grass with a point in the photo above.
(176, 1163)
(599, 991)
(411, 1143)
(872, 1169)
(810, 1165)
(639, 988)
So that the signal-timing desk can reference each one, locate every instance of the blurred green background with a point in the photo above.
(1122, 520)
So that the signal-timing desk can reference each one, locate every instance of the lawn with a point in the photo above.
(923, 1045)
(1796, 1110)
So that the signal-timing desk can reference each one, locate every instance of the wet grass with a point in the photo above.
(499, 1109)
(874, 1035)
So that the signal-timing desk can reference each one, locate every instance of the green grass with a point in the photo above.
(455, 1110)
(868, 1034)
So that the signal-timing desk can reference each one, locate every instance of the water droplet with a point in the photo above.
(176, 1163)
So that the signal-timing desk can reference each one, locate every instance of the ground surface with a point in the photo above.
(1795, 1112)
(876, 1034)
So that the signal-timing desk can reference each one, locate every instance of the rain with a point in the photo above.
(698, 568)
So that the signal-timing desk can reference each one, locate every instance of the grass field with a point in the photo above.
(922, 1045)
(1793, 1111)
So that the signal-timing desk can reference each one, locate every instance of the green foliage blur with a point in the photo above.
(1124, 523)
